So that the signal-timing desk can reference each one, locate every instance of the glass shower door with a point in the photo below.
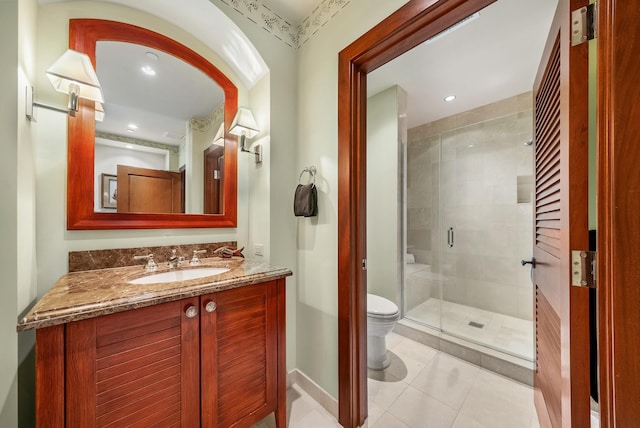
(486, 179)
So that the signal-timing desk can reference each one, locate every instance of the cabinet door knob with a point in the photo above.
(191, 311)
(210, 306)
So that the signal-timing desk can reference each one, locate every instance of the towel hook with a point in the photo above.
(312, 172)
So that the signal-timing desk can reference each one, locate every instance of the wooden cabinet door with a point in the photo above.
(134, 368)
(239, 355)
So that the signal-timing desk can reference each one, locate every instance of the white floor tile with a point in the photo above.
(418, 410)
(447, 379)
(384, 393)
(389, 421)
(494, 401)
(415, 351)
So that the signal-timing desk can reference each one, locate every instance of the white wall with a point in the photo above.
(17, 212)
(384, 196)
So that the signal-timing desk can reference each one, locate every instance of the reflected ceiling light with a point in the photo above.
(244, 126)
(148, 70)
(449, 98)
(71, 74)
(218, 140)
(129, 146)
(152, 56)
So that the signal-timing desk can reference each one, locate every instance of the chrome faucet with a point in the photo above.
(195, 260)
(151, 265)
(174, 260)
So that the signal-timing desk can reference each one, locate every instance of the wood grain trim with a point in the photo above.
(548, 357)
(618, 207)
(81, 373)
(548, 209)
(50, 362)
(83, 34)
(409, 26)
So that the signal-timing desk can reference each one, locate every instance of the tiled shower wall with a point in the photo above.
(472, 172)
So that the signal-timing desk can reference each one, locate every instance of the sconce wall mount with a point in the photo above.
(244, 126)
(72, 74)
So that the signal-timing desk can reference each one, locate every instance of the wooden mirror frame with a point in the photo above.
(83, 35)
(403, 30)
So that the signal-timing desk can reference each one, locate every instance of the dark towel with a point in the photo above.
(305, 203)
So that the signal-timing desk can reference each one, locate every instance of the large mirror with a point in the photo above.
(155, 158)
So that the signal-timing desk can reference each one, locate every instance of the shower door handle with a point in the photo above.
(450, 237)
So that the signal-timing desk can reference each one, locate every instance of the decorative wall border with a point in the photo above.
(281, 29)
(129, 140)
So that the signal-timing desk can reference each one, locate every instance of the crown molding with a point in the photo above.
(293, 36)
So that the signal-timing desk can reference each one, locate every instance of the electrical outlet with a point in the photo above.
(258, 249)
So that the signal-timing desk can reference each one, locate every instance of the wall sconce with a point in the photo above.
(244, 126)
(72, 74)
(218, 140)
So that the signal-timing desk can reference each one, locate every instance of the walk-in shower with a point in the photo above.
(468, 224)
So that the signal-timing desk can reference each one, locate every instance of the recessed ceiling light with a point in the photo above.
(132, 126)
(129, 146)
(148, 70)
(450, 98)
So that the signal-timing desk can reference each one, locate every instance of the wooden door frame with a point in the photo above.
(618, 236)
(409, 26)
(618, 186)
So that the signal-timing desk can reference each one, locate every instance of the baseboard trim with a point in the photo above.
(314, 390)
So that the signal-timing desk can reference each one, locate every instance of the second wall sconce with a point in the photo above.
(71, 74)
(244, 126)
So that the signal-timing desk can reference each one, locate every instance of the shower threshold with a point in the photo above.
(513, 367)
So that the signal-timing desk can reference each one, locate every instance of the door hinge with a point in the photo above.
(584, 24)
(364, 264)
(583, 269)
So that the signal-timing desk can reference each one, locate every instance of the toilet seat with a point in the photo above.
(380, 307)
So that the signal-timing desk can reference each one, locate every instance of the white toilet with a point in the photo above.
(382, 315)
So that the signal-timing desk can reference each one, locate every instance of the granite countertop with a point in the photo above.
(88, 294)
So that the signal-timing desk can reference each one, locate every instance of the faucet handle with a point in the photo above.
(195, 260)
(151, 265)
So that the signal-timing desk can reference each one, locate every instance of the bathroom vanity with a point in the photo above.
(204, 352)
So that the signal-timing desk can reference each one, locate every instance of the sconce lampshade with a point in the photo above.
(244, 124)
(75, 68)
(218, 140)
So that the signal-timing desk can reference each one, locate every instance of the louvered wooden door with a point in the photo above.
(137, 368)
(561, 378)
(239, 344)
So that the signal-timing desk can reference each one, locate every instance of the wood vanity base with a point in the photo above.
(216, 360)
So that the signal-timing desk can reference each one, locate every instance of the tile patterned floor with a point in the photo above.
(501, 332)
(425, 388)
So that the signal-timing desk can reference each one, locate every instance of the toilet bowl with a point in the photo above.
(382, 315)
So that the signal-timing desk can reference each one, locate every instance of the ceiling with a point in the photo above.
(159, 105)
(486, 59)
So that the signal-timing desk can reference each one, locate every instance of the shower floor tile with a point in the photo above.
(502, 332)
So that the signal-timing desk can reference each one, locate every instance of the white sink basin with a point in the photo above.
(178, 275)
